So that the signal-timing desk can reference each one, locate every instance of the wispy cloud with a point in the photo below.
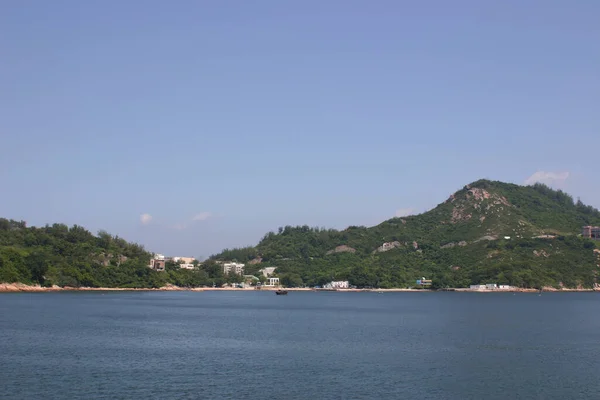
(145, 219)
(203, 216)
(549, 178)
(403, 212)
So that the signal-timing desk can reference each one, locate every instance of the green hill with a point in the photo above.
(487, 232)
(72, 256)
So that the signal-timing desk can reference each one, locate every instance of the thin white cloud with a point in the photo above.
(404, 212)
(145, 219)
(548, 178)
(203, 216)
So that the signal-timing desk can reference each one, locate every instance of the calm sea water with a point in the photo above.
(232, 345)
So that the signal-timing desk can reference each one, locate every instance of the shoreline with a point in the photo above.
(23, 288)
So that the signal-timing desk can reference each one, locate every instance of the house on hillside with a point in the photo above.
(157, 262)
(591, 232)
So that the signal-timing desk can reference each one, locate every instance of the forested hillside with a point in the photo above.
(487, 232)
(527, 236)
(72, 256)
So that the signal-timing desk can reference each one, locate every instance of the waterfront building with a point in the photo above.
(233, 268)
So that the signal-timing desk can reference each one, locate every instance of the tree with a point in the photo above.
(37, 262)
(291, 280)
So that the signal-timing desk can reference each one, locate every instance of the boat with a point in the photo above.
(280, 292)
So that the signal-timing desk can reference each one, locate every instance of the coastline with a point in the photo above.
(23, 288)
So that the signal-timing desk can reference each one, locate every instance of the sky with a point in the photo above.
(194, 126)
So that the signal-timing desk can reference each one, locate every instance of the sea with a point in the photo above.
(306, 345)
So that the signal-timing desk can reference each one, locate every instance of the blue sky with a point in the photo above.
(192, 126)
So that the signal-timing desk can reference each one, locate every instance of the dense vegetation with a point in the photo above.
(487, 232)
(72, 256)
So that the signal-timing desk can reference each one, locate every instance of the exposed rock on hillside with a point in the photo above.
(387, 246)
(342, 249)
(540, 253)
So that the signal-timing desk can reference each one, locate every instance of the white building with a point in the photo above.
(157, 263)
(505, 287)
(491, 286)
(186, 266)
(477, 287)
(273, 282)
(233, 268)
(337, 285)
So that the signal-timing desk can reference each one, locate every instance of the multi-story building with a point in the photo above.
(424, 282)
(233, 268)
(337, 285)
(157, 262)
(591, 232)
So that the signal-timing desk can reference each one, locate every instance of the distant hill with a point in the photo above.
(487, 232)
(71, 256)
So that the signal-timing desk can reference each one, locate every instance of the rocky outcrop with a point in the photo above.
(459, 213)
(388, 246)
(493, 253)
(105, 259)
(450, 245)
(487, 237)
(541, 253)
(257, 260)
(21, 287)
(478, 194)
(342, 249)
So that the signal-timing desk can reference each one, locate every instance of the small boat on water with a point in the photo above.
(280, 292)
